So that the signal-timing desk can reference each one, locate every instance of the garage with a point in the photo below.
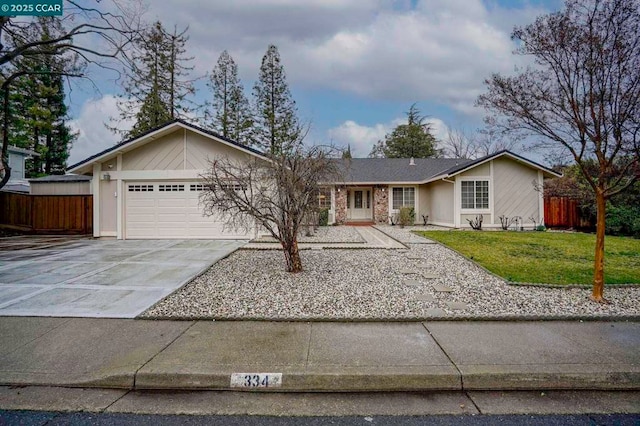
(169, 209)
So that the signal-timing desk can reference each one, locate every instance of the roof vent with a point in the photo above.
(412, 162)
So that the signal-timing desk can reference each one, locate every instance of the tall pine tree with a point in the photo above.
(276, 125)
(231, 115)
(157, 89)
(37, 111)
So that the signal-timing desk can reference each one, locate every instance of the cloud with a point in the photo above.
(93, 136)
(436, 50)
(361, 138)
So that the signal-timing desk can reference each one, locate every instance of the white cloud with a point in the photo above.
(93, 135)
(436, 50)
(361, 138)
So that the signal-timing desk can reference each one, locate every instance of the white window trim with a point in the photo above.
(488, 179)
(415, 197)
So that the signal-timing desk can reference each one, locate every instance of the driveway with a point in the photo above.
(100, 278)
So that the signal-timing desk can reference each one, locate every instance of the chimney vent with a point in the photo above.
(412, 162)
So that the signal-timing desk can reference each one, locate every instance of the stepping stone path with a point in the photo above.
(414, 256)
(412, 283)
(408, 272)
(429, 276)
(442, 288)
(458, 306)
(425, 298)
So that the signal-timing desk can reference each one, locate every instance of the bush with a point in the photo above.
(541, 228)
(323, 217)
(623, 220)
(407, 216)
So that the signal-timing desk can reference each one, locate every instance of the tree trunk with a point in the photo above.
(292, 256)
(598, 267)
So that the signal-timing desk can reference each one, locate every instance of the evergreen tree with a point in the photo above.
(232, 115)
(38, 115)
(411, 140)
(346, 154)
(276, 125)
(157, 89)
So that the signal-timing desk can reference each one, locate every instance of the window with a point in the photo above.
(475, 194)
(140, 188)
(403, 197)
(324, 198)
(196, 187)
(171, 188)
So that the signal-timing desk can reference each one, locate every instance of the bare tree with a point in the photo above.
(492, 139)
(458, 144)
(276, 192)
(582, 98)
(98, 34)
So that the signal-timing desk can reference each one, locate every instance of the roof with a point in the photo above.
(420, 170)
(464, 167)
(61, 178)
(16, 187)
(149, 132)
(18, 150)
(397, 170)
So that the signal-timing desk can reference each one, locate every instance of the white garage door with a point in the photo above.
(169, 210)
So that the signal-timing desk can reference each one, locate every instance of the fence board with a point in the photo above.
(52, 214)
(562, 212)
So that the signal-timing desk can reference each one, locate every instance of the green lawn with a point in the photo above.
(545, 257)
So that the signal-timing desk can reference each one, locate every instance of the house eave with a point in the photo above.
(86, 165)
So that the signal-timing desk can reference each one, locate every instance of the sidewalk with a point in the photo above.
(329, 356)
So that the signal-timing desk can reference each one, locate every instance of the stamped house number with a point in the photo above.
(256, 380)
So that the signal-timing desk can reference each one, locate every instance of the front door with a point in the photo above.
(360, 204)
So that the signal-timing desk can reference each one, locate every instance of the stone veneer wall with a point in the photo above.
(341, 205)
(381, 204)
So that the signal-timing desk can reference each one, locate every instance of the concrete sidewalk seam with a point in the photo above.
(135, 375)
(447, 355)
(475, 404)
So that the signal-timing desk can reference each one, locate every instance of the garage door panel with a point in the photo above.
(170, 213)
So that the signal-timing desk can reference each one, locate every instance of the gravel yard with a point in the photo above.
(324, 234)
(425, 282)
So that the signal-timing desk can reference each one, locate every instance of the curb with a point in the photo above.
(371, 379)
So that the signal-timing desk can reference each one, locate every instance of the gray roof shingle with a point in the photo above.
(397, 170)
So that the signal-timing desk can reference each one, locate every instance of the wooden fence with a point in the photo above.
(562, 212)
(47, 214)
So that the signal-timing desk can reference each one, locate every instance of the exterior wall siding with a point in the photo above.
(440, 202)
(108, 207)
(514, 191)
(61, 188)
(165, 153)
(201, 150)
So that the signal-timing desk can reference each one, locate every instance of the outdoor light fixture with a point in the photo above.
(106, 177)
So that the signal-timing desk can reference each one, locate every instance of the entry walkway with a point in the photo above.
(373, 239)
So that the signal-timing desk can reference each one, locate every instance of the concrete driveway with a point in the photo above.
(101, 278)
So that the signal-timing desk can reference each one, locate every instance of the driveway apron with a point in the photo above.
(102, 278)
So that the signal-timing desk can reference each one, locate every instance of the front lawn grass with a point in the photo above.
(545, 257)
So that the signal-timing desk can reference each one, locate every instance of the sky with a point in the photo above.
(354, 67)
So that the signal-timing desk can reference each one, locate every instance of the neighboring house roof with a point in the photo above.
(397, 170)
(154, 132)
(61, 178)
(15, 187)
(26, 152)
